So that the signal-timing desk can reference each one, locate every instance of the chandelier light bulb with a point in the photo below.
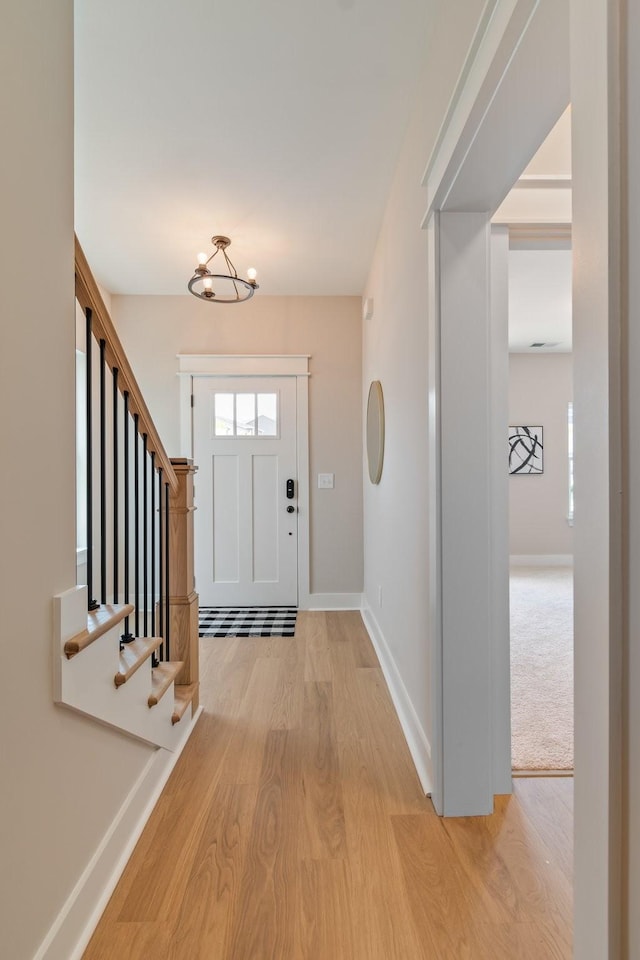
(229, 287)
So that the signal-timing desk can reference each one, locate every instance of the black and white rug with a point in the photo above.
(247, 621)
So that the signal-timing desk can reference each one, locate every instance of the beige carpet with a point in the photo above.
(542, 668)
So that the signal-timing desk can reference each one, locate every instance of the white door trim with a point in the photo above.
(247, 365)
(505, 54)
(487, 140)
(244, 365)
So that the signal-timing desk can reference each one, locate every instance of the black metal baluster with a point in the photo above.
(145, 538)
(116, 531)
(127, 636)
(152, 516)
(103, 474)
(167, 628)
(92, 602)
(161, 535)
(136, 511)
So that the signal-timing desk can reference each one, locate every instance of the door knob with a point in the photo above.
(290, 509)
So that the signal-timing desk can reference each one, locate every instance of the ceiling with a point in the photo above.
(278, 124)
(540, 301)
(540, 308)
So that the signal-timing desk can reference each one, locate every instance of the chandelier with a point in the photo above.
(221, 287)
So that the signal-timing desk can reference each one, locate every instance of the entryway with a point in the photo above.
(245, 423)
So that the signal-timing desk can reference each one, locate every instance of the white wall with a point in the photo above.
(540, 387)
(64, 778)
(155, 329)
(395, 351)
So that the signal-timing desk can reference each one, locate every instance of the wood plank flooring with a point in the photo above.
(294, 828)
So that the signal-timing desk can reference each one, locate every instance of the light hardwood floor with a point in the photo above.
(294, 828)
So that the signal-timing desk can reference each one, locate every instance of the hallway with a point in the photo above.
(294, 828)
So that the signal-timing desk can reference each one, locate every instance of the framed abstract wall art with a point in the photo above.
(526, 451)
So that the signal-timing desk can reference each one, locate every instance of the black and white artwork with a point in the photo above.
(525, 450)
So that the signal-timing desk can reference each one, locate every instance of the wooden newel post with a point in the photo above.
(183, 598)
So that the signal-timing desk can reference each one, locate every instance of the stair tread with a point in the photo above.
(98, 623)
(134, 655)
(162, 677)
(184, 694)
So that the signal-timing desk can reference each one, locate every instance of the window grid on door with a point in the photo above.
(245, 414)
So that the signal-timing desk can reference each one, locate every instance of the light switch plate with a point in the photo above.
(326, 481)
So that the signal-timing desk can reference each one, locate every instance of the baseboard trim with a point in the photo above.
(72, 929)
(417, 740)
(523, 774)
(332, 601)
(541, 560)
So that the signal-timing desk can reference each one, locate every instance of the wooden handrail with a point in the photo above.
(88, 296)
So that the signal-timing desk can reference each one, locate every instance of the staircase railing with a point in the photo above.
(139, 503)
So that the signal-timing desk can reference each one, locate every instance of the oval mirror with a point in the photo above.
(375, 431)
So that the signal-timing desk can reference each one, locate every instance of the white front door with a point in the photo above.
(244, 443)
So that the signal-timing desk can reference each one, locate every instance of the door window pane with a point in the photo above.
(267, 415)
(224, 415)
(245, 414)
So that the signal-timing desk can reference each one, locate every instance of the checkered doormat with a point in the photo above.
(247, 621)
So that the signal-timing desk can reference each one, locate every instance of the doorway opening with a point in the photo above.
(494, 133)
(537, 213)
